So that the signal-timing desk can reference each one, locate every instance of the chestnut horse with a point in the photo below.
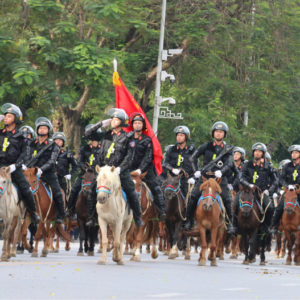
(290, 222)
(11, 213)
(86, 234)
(209, 217)
(47, 212)
(149, 217)
(176, 209)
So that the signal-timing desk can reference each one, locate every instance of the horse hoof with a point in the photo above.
(56, 251)
(135, 258)
(99, 251)
(288, 263)
(213, 264)
(297, 263)
(172, 256)
(246, 262)
(13, 255)
(252, 260)
(221, 257)
(34, 254)
(187, 257)
(90, 253)
(80, 254)
(227, 251)
(262, 263)
(202, 263)
(20, 251)
(233, 256)
(127, 253)
(154, 255)
(101, 262)
(166, 253)
(51, 251)
(148, 251)
(67, 248)
(120, 262)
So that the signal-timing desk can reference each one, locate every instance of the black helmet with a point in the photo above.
(219, 126)
(294, 148)
(283, 163)
(240, 150)
(27, 130)
(259, 146)
(120, 114)
(183, 129)
(136, 116)
(268, 157)
(59, 135)
(9, 108)
(42, 121)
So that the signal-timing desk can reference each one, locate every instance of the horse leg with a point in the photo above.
(24, 234)
(283, 246)
(289, 247)
(278, 244)
(46, 236)
(253, 241)
(136, 256)
(234, 248)
(81, 237)
(202, 255)
(37, 239)
(262, 252)
(213, 246)
(188, 249)
(104, 240)
(117, 237)
(154, 253)
(245, 242)
(15, 236)
(171, 229)
(51, 239)
(4, 255)
(56, 250)
(220, 243)
(297, 249)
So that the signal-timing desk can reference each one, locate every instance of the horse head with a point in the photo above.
(87, 180)
(137, 179)
(290, 199)
(4, 180)
(247, 198)
(210, 188)
(171, 186)
(108, 180)
(32, 178)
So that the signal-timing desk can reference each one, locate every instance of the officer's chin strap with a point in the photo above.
(42, 134)
(138, 130)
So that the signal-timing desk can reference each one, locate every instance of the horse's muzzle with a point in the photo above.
(207, 207)
(289, 210)
(101, 198)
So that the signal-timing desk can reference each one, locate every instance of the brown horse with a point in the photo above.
(290, 221)
(176, 208)
(251, 225)
(149, 216)
(209, 218)
(47, 212)
(87, 235)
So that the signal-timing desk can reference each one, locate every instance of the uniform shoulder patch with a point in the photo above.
(132, 144)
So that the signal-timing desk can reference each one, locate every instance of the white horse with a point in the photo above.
(113, 211)
(11, 213)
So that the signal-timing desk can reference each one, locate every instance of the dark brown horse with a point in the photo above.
(147, 232)
(87, 235)
(176, 209)
(47, 212)
(290, 222)
(209, 218)
(251, 225)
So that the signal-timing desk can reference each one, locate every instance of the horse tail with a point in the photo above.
(62, 233)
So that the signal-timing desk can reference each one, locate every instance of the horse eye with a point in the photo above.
(4, 181)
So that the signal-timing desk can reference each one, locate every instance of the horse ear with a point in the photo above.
(219, 180)
(7, 170)
(35, 170)
(112, 168)
(204, 178)
(169, 174)
(143, 175)
(98, 169)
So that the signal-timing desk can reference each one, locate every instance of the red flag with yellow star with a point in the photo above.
(125, 101)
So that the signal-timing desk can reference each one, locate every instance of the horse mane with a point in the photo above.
(211, 183)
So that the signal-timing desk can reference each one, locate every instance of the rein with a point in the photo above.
(34, 190)
(85, 184)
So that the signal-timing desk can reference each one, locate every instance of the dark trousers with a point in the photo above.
(19, 179)
(75, 192)
(62, 183)
(51, 179)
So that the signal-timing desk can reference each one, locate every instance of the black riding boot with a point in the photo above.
(190, 213)
(60, 209)
(73, 196)
(159, 202)
(277, 215)
(235, 212)
(230, 227)
(30, 206)
(136, 210)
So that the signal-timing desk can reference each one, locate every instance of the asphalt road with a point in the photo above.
(64, 275)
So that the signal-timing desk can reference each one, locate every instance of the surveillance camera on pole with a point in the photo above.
(165, 75)
(171, 101)
(170, 53)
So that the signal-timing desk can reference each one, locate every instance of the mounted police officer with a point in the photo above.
(239, 154)
(64, 161)
(116, 152)
(218, 160)
(178, 157)
(289, 178)
(259, 172)
(28, 132)
(87, 157)
(141, 161)
(44, 153)
(13, 151)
